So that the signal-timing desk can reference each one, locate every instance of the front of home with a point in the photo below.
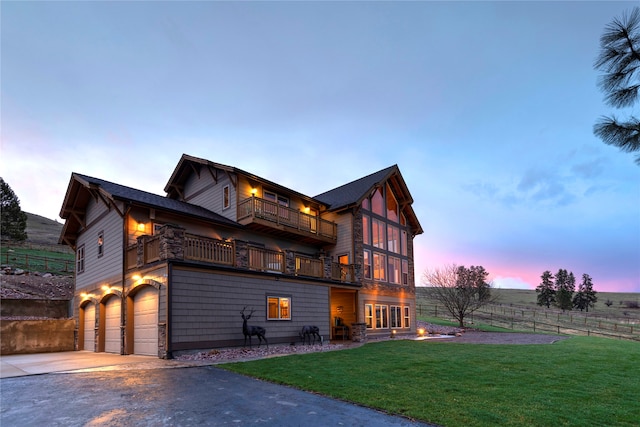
(162, 275)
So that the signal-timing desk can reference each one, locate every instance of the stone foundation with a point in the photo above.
(358, 332)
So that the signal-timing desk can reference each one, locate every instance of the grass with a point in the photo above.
(582, 381)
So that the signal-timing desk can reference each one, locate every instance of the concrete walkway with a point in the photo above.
(19, 365)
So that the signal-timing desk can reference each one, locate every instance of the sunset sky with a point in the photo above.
(487, 108)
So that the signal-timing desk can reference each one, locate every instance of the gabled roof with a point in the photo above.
(352, 194)
(190, 164)
(82, 187)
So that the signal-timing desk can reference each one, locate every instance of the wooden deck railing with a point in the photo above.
(343, 272)
(282, 215)
(152, 249)
(205, 249)
(309, 267)
(266, 260)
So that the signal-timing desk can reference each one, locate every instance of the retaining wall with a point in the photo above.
(36, 336)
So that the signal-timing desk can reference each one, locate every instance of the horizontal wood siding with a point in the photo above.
(108, 267)
(203, 190)
(206, 307)
(344, 245)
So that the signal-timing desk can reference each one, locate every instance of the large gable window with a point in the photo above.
(392, 206)
(377, 234)
(377, 202)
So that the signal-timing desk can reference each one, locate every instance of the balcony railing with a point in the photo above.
(199, 248)
(293, 219)
(237, 254)
(266, 260)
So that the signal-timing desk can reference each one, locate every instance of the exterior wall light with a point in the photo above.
(141, 226)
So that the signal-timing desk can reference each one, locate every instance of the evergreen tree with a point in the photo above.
(546, 290)
(565, 285)
(619, 59)
(586, 296)
(14, 221)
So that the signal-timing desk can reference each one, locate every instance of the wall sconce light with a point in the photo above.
(253, 191)
(307, 209)
(136, 277)
(141, 226)
(340, 309)
(106, 288)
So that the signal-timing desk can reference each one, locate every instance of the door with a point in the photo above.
(112, 325)
(145, 322)
(89, 327)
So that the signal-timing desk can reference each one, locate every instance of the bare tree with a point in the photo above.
(459, 289)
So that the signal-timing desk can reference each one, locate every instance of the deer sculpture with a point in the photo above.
(309, 331)
(250, 330)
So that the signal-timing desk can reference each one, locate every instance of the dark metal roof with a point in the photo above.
(353, 192)
(128, 194)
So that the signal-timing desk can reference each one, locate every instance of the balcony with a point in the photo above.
(264, 215)
(235, 254)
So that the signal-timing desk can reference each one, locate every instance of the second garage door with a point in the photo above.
(145, 322)
(89, 327)
(112, 325)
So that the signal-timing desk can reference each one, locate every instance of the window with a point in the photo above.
(226, 198)
(278, 308)
(394, 270)
(80, 259)
(392, 206)
(368, 315)
(279, 205)
(396, 316)
(377, 202)
(407, 318)
(100, 244)
(156, 227)
(405, 272)
(366, 205)
(366, 235)
(379, 267)
(393, 236)
(377, 234)
(367, 264)
(403, 242)
(382, 316)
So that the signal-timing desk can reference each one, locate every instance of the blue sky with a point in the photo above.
(486, 107)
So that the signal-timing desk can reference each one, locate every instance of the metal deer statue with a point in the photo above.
(250, 331)
(309, 331)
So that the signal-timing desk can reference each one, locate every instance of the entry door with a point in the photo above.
(89, 343)
(112, 325)
(145, 322)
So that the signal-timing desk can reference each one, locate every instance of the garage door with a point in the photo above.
(112, 325)
(145, 322)
(89, 327)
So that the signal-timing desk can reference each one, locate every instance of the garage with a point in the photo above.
(145, 322)
(112, 325)
(89, 326)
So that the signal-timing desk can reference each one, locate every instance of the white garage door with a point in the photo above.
(89, 327)
(112, 325)
(145, 322)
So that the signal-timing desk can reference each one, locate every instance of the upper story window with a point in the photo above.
(100, 244)
(392, 206)
(226, 197)
(80, 259)
(377, 233)
(365, 204)
(366, 236)
(393, 239)
(377, 202)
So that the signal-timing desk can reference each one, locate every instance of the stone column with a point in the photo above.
(358, 332)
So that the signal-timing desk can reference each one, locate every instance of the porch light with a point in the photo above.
(254, 191)
(141, 226)
(136, 277)
(106, 288)
(307, 209)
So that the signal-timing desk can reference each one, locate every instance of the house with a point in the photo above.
(162, 275)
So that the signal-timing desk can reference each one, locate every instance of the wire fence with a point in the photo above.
(543, 320)
(38, 263)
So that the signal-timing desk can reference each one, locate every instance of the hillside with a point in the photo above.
(42, 231)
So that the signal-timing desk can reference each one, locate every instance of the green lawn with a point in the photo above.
(581, 381)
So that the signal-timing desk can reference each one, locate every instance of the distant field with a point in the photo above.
(517, 309)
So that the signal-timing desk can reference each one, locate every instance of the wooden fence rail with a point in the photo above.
(34, 262)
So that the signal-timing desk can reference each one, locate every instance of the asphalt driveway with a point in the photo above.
(144, 392)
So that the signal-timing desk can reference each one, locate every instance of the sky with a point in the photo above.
(486, 107)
